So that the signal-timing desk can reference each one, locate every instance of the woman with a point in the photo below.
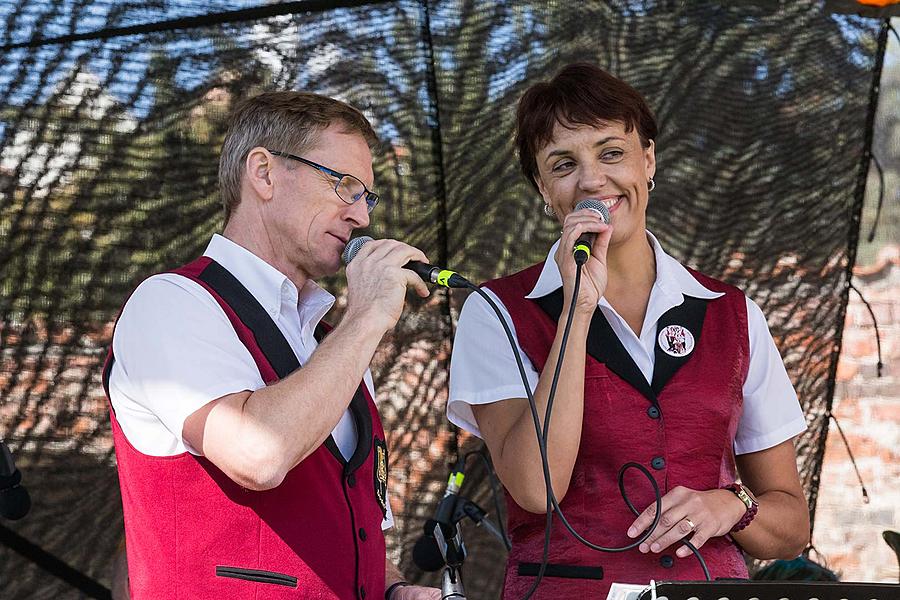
(664, 367)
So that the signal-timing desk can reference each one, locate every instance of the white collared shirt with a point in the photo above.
(483, 369)
(176, 350)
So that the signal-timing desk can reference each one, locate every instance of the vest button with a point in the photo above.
(666, 561)
(362, 591)
(362, 534)
(653, 412)
(351, 479)
(658, 463)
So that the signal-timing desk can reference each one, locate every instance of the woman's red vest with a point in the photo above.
(681, 427)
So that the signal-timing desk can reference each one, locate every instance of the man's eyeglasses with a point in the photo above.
(348, 188)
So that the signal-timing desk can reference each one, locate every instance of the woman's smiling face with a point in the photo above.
(603, 162)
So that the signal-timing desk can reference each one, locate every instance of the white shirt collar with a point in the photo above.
(272, 288)
(672, 279)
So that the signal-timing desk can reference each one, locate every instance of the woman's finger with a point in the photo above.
(682, 528)
(700, 537)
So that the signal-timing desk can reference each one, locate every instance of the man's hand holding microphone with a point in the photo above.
(378, 273)
(377, 282)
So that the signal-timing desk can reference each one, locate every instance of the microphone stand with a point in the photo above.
(452, 548)
(454, 552)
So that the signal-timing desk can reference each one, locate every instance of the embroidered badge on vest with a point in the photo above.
(381, 474)
(676, 340)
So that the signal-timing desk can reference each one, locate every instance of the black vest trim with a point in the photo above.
(281, 356)
(603, 345)
(690, 314)
(107, 371)
(359, 408)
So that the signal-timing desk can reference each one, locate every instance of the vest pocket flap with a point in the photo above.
(256, 575)
(557, 570)
(594, 369)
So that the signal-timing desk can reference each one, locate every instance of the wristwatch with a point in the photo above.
(745, 496)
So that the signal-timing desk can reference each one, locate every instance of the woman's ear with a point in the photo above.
(542, 189)
(650, 159)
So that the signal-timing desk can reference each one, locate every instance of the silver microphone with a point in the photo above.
(582, 249)
(429, 273)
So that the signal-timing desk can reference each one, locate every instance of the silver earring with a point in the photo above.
(548, 210)
(652, 184)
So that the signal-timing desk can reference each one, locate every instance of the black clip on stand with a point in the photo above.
(449, 541)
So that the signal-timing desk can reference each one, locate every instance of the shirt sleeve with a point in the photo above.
(482, 367)
(176, 351)
(771, 412)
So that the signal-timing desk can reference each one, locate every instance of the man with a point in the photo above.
(243, 473)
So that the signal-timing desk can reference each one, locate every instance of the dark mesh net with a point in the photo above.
(109, 144)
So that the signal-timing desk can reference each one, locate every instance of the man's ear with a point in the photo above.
(258, 172)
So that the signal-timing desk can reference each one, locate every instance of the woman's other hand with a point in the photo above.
(686, 512)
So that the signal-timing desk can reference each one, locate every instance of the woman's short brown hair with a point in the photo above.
(288, 121)
(580, 94)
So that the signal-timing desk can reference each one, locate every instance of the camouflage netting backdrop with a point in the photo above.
(113, 113)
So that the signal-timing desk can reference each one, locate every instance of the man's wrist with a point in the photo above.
(364, 322)
(389, 592)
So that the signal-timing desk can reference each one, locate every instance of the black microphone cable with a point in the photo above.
(495, 490)
(541, 434)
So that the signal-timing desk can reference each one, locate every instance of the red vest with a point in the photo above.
(681, 427)
(192, 532)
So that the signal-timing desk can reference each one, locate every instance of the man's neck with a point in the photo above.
(254, 238)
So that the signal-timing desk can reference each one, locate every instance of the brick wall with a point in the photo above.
(848, 530)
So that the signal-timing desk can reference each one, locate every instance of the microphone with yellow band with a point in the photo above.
(582, 249)
(429, 273)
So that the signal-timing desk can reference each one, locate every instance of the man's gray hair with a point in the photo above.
(287, 121)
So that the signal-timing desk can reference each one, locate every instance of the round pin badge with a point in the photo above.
(676, 340)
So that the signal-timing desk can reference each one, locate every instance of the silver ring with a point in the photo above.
(691, 523)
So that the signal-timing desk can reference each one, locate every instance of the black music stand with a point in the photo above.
(773, 590)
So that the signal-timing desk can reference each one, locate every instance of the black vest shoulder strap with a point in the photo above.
(268, 337)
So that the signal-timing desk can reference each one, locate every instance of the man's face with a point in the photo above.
(307, 223)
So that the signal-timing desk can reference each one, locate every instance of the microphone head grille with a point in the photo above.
(353, 247)
(427, 555)
(595, 205)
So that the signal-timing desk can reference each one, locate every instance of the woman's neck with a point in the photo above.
(632, 264)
